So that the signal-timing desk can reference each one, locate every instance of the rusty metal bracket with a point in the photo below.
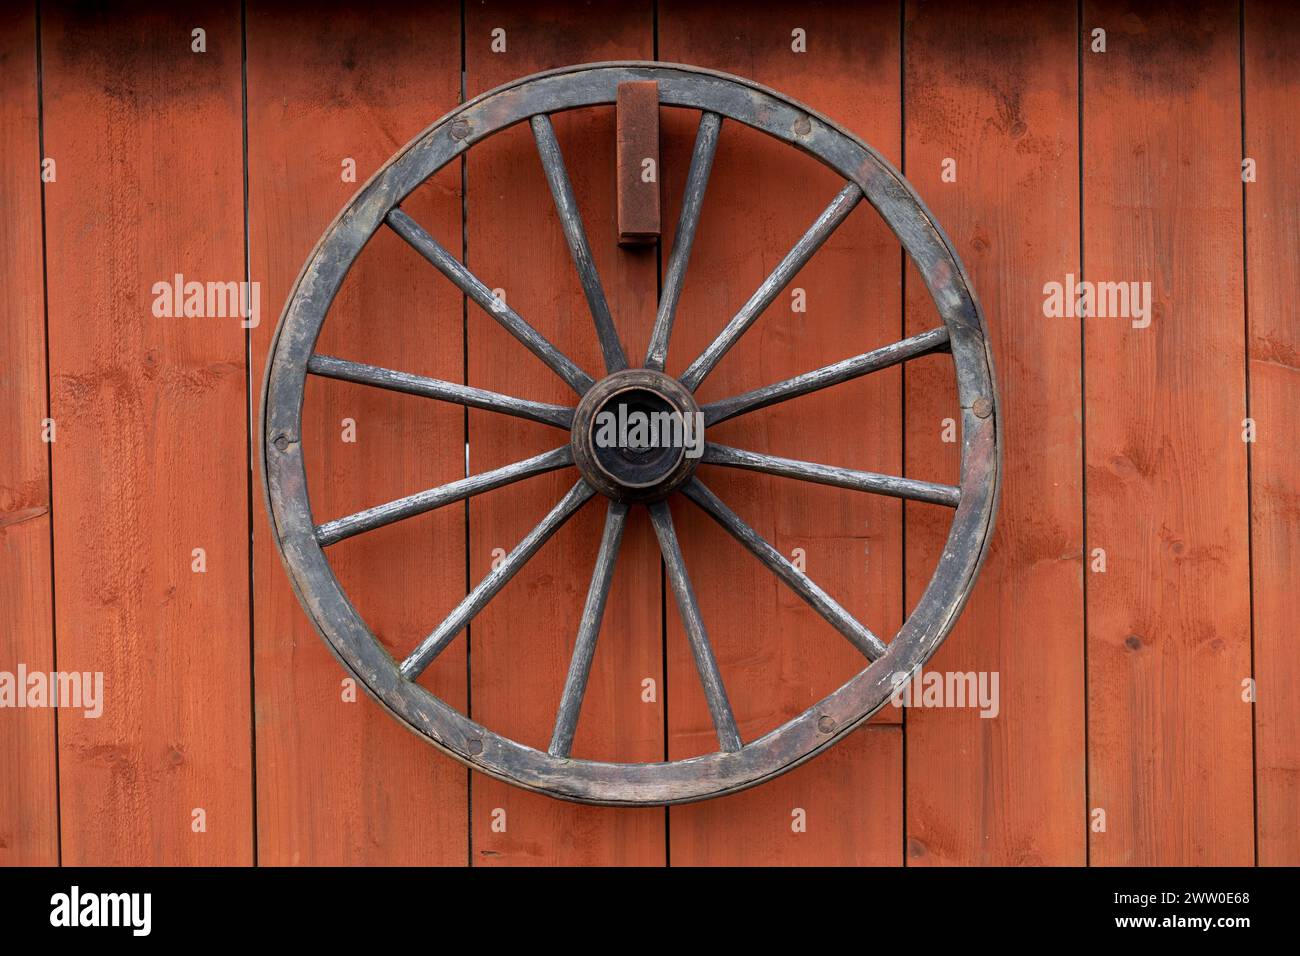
(637, 145)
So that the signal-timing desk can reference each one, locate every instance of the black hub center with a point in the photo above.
(637, 435)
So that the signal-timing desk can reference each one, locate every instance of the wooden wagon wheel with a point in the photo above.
(632, 477)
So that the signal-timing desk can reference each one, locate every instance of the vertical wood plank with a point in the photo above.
(522, 641)
(151, 458)
(29, 821)
(1169, 736)
(776, 655)
(994, 93)
(339, 781)
(1272, 131)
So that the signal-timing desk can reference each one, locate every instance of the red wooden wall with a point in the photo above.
(1148, 712)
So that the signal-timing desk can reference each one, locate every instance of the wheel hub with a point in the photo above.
(637, 435)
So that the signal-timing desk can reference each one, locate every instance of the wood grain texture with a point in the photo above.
(777, 657)
(1169, 736)
(522, 642)
(1272, 133)
(151, 458)
(29, 821)
(995, 91)
(799, 819)
(339, 781)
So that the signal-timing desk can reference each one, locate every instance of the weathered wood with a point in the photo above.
(1169, 621)
(994, 91)
(485, 590)
(706, 664)
(915, 346)
(566, 205)
(892, 485)
(473, 287)
(524, 641)
(561, 416)
(774, 649)
(821, 602)
(1272, 131)
(584, 647)
(29, 811)
(787, 820)
(332, 766)
(637, 162)
(331, 532)
(688, 221)
(845, 201)
(151, 461)
(473, 742)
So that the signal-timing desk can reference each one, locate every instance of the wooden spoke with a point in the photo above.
(933, 340)
(821, 602)
(472, 286)
(584, 648)
(548, 147)
(891, 485)
(724, 722)
(697, 179)
(334, 531)
(327, 366)
(844, 203)
(487, 589)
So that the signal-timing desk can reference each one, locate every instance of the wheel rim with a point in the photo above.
(736, 765)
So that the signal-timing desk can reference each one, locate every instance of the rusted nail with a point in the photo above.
(475, 746)
(281, 442)
(460, 129)
(826, 724)
(982, 408)
(802, 126)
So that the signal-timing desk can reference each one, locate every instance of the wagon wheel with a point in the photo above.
(632, 477)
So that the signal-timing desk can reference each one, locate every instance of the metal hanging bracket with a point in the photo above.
(636, 115)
